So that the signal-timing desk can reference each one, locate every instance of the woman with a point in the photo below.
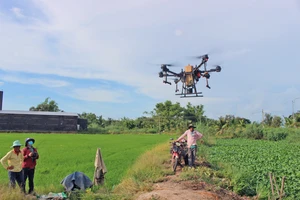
(12, 162)
(30, 156)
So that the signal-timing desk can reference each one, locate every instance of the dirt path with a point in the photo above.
(174, 189)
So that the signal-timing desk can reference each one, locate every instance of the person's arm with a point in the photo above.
(199, 135)
(25, 154)
(182, 136)
(22, 159)
(4, 160)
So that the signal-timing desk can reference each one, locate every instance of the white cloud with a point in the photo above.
(32, 81)
(17, 12)
(100, 95)
(231, 54)
(178, 32)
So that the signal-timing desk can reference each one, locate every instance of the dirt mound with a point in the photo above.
(174, 189)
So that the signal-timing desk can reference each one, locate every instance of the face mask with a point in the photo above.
(30, 143)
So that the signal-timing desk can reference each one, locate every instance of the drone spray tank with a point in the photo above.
(189, 81)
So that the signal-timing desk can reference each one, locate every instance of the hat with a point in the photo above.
(16, 144)
(191, 125)
(29, 139)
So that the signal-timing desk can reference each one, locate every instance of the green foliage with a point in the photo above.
(277, 121)
(254, 132)
(275, 134)
(193, 113)
(252, 160)
(172, 117)
(47, 105)
(93, 119)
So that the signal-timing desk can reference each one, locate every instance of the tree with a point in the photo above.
(268, 119)
(193, 113)
(168, 115)
(128, 123)
(91, 117)
(47, 105)
(277, 121)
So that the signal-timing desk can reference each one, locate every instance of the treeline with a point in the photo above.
(168, 117)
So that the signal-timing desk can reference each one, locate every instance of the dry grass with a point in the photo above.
(148, 169)
(7, 193)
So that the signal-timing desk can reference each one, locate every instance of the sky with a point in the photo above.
(103, 56)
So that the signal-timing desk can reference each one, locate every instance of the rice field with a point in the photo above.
(63, 154)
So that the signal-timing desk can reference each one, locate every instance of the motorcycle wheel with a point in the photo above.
(174, 163)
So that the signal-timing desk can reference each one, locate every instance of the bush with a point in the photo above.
(153, 131)
(254, 131)
(275, 134)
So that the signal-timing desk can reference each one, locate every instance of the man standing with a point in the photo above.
(12, 162)
(30, 156)
(192, 137)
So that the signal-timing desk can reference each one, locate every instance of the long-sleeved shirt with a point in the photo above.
(13, 159)
(28, 161)
(192, 137)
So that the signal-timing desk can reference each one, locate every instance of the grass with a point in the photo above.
(63, 154)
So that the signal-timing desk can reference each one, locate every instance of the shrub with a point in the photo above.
(253, 131)
(275, 134)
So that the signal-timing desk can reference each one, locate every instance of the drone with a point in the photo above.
(189, 77)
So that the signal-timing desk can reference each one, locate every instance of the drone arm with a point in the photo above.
(167, 82)
(199, 65)
(173, 73)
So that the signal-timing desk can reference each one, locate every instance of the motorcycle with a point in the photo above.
(178, 151)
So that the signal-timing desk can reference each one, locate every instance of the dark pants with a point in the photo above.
(28, 173)
(192, 156)
(15, 177)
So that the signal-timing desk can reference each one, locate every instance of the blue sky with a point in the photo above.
(99, 56)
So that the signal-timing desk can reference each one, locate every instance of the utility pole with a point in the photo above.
(159, 124)
(262, 119)
(293, 105)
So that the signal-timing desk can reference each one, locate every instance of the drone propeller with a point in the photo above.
(201, 57)
(169, 65)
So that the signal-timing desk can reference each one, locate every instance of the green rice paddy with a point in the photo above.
(63, 154)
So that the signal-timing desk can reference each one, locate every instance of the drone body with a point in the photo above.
(189, 77)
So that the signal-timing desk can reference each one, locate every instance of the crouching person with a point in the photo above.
(12, 162)
(30, 156)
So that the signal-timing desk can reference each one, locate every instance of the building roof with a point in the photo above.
(22, 112)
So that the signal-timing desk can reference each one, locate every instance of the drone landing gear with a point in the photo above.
(199, 94)
(188, 92)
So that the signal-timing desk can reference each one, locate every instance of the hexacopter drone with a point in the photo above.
(189, 77)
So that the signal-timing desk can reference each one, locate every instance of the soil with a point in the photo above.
(173, 188)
